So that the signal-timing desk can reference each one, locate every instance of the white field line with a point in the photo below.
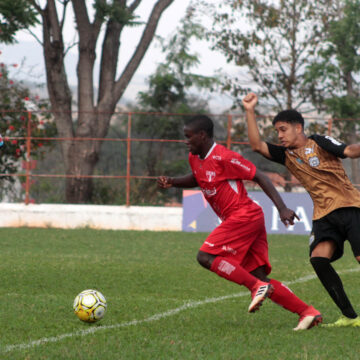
(159, 316)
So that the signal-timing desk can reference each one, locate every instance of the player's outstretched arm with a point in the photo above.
(352, 151)
(287, 216)
(249, 103)
(187, 181)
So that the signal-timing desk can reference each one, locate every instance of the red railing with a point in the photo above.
(229, 141)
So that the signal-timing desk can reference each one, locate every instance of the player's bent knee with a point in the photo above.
(325, 249)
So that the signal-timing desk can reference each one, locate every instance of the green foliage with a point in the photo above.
(165, 90)
(170, 92)
(16, 104)
(274, 43)
(344, 38)
(14, 16)
(334, 75)
(17, 108)
(344, 107)
(116, 12)
(173, 79)
(109, 194)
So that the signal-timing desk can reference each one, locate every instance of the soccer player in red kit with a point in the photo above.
(237, 249)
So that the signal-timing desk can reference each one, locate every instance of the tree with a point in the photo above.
(169, 92)
(167, 86)
(15, 101)
(14, 16)
(334, 76)
(273, 46)
(94, 110)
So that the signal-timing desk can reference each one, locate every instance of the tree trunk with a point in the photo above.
(82, 159)
(81, 156)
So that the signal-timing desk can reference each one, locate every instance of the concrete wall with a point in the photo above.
(92, 216)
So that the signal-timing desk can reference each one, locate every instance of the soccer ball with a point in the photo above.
(90, 305)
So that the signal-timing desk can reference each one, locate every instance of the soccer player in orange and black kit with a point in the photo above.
(237, 249)
(315, 162)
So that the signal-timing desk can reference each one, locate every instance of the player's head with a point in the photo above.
(199, 132)
(201, 123)
(289, 125)
(289, 116)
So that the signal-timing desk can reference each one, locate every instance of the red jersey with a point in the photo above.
(220, 176)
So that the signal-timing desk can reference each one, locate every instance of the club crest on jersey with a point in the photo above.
(210, 175)
(314, 161)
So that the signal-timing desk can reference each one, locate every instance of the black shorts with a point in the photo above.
(340, 225)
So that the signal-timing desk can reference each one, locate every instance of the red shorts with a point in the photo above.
(244, 242)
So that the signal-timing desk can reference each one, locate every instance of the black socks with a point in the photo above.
(333, 284)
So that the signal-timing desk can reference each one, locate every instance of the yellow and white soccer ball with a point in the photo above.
(90, 305)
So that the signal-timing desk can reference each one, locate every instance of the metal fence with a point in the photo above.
(123, 159)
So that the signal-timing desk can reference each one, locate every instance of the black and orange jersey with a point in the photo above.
(318, 168)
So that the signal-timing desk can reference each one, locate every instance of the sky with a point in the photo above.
(29, 52)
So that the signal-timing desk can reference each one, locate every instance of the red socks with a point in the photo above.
(284, 297)
(231, 270)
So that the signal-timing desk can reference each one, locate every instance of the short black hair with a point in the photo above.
(201, 122)
(289, 116)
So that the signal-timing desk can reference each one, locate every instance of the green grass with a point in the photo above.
(144, 276)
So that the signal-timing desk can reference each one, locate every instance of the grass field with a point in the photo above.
(162, 304)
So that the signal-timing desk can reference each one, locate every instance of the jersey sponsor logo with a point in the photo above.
(209, 192)
(210, 175)
(217, 157)
(237, 162)
(229, 250)
(314, 161)
(334, 141)
(226, 267)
